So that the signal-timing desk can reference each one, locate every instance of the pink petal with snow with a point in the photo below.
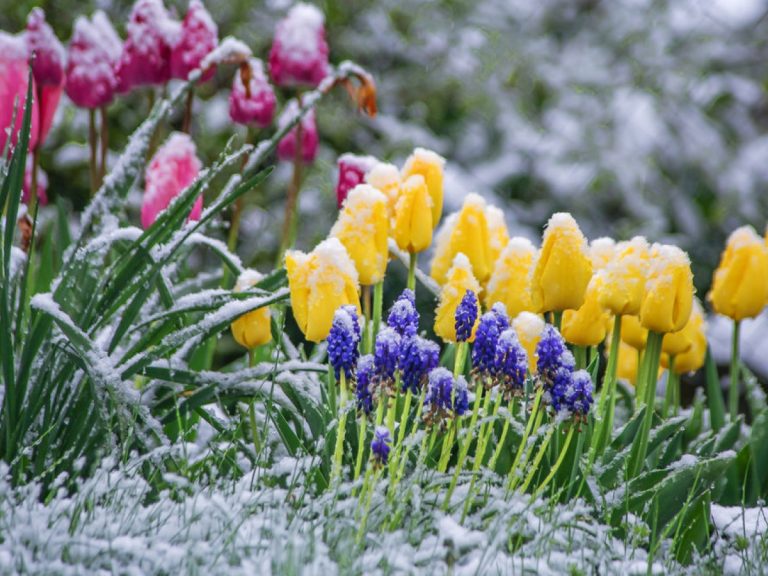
(352, 171)
(299, 54)
(286, 148)
(257, 108)
(48, 65)
(174, 166)
(93, 53)
(199, 36)
(13, 90)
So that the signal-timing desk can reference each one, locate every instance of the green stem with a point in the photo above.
(104, 143)
(557, 465)
(532, 419)
(650, 371)
(461, 357)
(369, 494)
(412, 271)
(367, 336)
(94, 146)
(669, 393)
(291, 203)
(404, 458)
(252, 409)
(378, 300)
(361, 439)
(466, 441)
(398, 449)
(580, 354)
(539, 456)
(445, 455)
(607, 402)
(733, 389)
(339, 449)
(557, 319)
(503, 437)
(575, 469)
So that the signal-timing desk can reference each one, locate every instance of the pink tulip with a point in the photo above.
(258, 107)
(13, 90)
(199, 36)
(146, 56)
(48, 65)
(299, 54)
(286, 148)
(42, 184)
(93, 53)
(174, 166)
(352, 171)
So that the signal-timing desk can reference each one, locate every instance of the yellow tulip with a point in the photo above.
(465, 232)
(529, 327)
(320, 282)
(363, 228)
(586, 326)
(510, 282)
(498, 235)
(668, 297)
(740, 284)
(625, 277)
(429, 165)
(696, 330)
(563, 268)
(459, 280)
(601, 251)
(412, 229)
(386, 178)
(628, 362)
(633, 333)
(252, 328)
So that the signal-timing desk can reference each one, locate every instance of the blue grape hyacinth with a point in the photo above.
(343, 341)
(466, 316)
(387, 353)
(552, 354)
(380, 446)
(445, 396)
(491, 325)
(418, 356)
(578, 398)
(364, 386)
(403, 316)
(510, 363)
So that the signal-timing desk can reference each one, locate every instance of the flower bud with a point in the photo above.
(256, 105)
(363, 228)
(48, 64)
(386, 178)
(465, 232)
(668, 297)
(529, 328)
(740, 283)
(252, 328)
(199, 36)
(14, 77)
(174, 166)
(412, 228)
(429, 165)
(459, 280)
(93, 53)
(625, 277)
(510, 282)
(299, 54)
(563, 268)
(696, 334)
(587, 325)
(352, 171)
(320, 282)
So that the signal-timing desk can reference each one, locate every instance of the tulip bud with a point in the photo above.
(429, 165)
(320, 282)
(352, 171)
(633, 333)
(252, 328)
(510, 282)
(146, 56)
(668, 297)
(498, 235)
(529, 328)
(465, 232)
(458, 281)
(174, 166)
(587, 325)
(13, 91)
(625, 277)
(299, 54)
(696, 335)
(601, 252)
(563, 268)
(48, 64)
(412, 228)
(199, 37)
(255, 105)
(740, 283)
(386, 178)
(363, 229)
(93, 53)
(286, 148)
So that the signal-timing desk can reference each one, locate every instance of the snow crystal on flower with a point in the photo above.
(333, 265)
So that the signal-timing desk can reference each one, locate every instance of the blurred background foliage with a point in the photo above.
(638, 116)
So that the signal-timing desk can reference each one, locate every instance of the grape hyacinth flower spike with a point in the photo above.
(380, 446)
(510, 363)
(491, 325)
(364, 383)
(343, 341)
(578, 398)
(466, 316)
(403, 316)
(446, 397)
(418, 357)
(386, 355)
